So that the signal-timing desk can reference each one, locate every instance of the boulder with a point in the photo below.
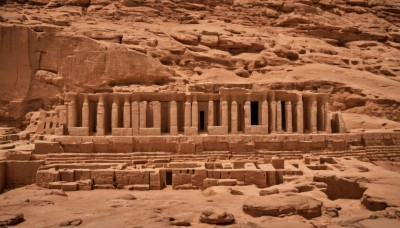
(278, 205)
(71, 222)
(216, 216)
(11, 219)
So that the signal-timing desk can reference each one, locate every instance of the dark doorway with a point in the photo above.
(254, 112)
(168, 177)
(283, 108)
(202, 124)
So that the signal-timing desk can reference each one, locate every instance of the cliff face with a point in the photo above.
(349, 48)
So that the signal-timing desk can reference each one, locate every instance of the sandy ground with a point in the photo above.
(100, 208)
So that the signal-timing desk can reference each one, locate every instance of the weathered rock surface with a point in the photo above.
(216, 216)
(342, 187)
(10, 219)
(277, 205)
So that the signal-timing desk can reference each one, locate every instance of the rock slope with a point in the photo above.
(349, 48)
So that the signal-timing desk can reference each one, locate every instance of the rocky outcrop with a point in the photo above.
(278, 205)
(105, 45)
(342, 187)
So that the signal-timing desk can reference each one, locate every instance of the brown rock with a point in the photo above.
(11, 219)
(216, 216)
(276, 205)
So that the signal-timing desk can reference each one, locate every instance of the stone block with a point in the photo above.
(149, 131)
(86, 147)
(239, 175)
(74, 147)
(131, 177)
(85, 184)
(69, 186)
(18, 155)
(43, 147)
(121, 144)
(21, 173)
(45, 177)
(82, 174)
(209, 182)
(198, 177)
(122, 131)
(102, 177)
(278, 163)
(156, 180)
(101, 145)
(141, 187)
(190, 130)
(67, 175)
(256, 177)
(55, 185)
(216, 145)
(78, 131)
(256, 129)
(226, 182)
(217, 130)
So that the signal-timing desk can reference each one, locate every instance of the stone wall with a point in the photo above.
(194, 144)
(21, 173)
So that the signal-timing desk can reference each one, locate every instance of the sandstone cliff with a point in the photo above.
(349, 48)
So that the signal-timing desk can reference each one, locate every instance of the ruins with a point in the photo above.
(164, 113)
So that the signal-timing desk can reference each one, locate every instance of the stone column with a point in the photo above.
(127, 112)
(320, 116)
(234, 117)
(278, 116)
(114, 112)
(327, 118)
(188, 114)
(135, 118)
(273, 116)
(72, 112)
(300, 116)
(156, 114)
(100, 129)
(247, 115)
(288, 114)
(85, 111)
(195, 113)
(224, 113)
(173, 115)
(210, 113)
(313, 115)
(143, 114)
(264, 114)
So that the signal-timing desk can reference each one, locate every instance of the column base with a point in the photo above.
(78, 131)
(217, 130)
(173, 131)
(122, 131)
(100, 132)
(149, 131)
(256, 129)
(190, 130)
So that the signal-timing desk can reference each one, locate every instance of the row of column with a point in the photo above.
(135, 115)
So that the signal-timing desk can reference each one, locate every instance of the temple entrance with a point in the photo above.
(254, 112)
(168, 178)
(202, 121)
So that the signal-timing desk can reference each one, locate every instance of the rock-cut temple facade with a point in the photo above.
(231, 111)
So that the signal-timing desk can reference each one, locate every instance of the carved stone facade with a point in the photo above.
(231, 111)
